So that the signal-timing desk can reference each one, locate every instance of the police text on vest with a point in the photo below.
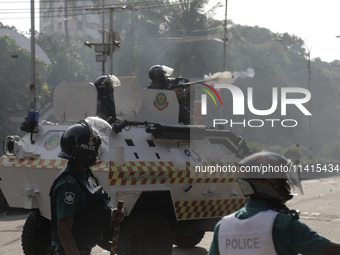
(246, 243)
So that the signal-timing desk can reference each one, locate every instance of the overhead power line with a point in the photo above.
(57, 12)
(148, 5)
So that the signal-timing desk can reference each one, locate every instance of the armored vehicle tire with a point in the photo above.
(3, 203)
(188, 240)
(145, 233)
(36, 234)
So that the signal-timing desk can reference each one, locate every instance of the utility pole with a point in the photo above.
(31, 120)
(225, 36)
(108, 47)
(33, 103)
(66, 23)
(309, 102)
(111, 39)
(103, 35)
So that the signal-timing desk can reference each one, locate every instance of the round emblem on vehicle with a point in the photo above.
(161, 101)
(52, 142)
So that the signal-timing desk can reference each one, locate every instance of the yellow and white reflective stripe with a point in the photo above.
(131, 172)
(207, 208)
(141, 173)
(33, 163)
(45, 163)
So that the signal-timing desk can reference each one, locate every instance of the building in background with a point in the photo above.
(71, 17)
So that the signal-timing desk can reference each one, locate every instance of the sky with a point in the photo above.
(316, 22)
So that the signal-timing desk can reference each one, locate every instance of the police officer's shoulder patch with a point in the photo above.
(69, 198)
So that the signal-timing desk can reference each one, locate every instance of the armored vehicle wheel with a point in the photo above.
(145, 233)
(3, 203)
(188, 240)
(36, 235)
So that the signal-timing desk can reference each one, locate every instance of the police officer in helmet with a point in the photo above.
(105, 101)
(80, 209)
(160, 79)
(265, 226)
(159, 76)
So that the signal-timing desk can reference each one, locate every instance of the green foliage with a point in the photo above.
(14, 83)
(74, 61)
(293, 153)
(255, 147)
(176, 35)
(276, 148)
(8, 27)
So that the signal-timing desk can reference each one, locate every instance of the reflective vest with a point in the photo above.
(251, 236)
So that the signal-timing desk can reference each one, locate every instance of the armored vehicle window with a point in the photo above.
(151, 143)
(129, 142)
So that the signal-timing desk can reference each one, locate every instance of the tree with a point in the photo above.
(14, 84)
(171, 33)
(73, 60)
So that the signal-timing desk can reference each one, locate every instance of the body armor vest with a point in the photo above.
(247, 236)
(91, 220)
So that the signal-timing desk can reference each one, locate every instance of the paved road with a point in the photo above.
(319, 209)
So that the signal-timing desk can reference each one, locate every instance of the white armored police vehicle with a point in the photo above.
(149, 161)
